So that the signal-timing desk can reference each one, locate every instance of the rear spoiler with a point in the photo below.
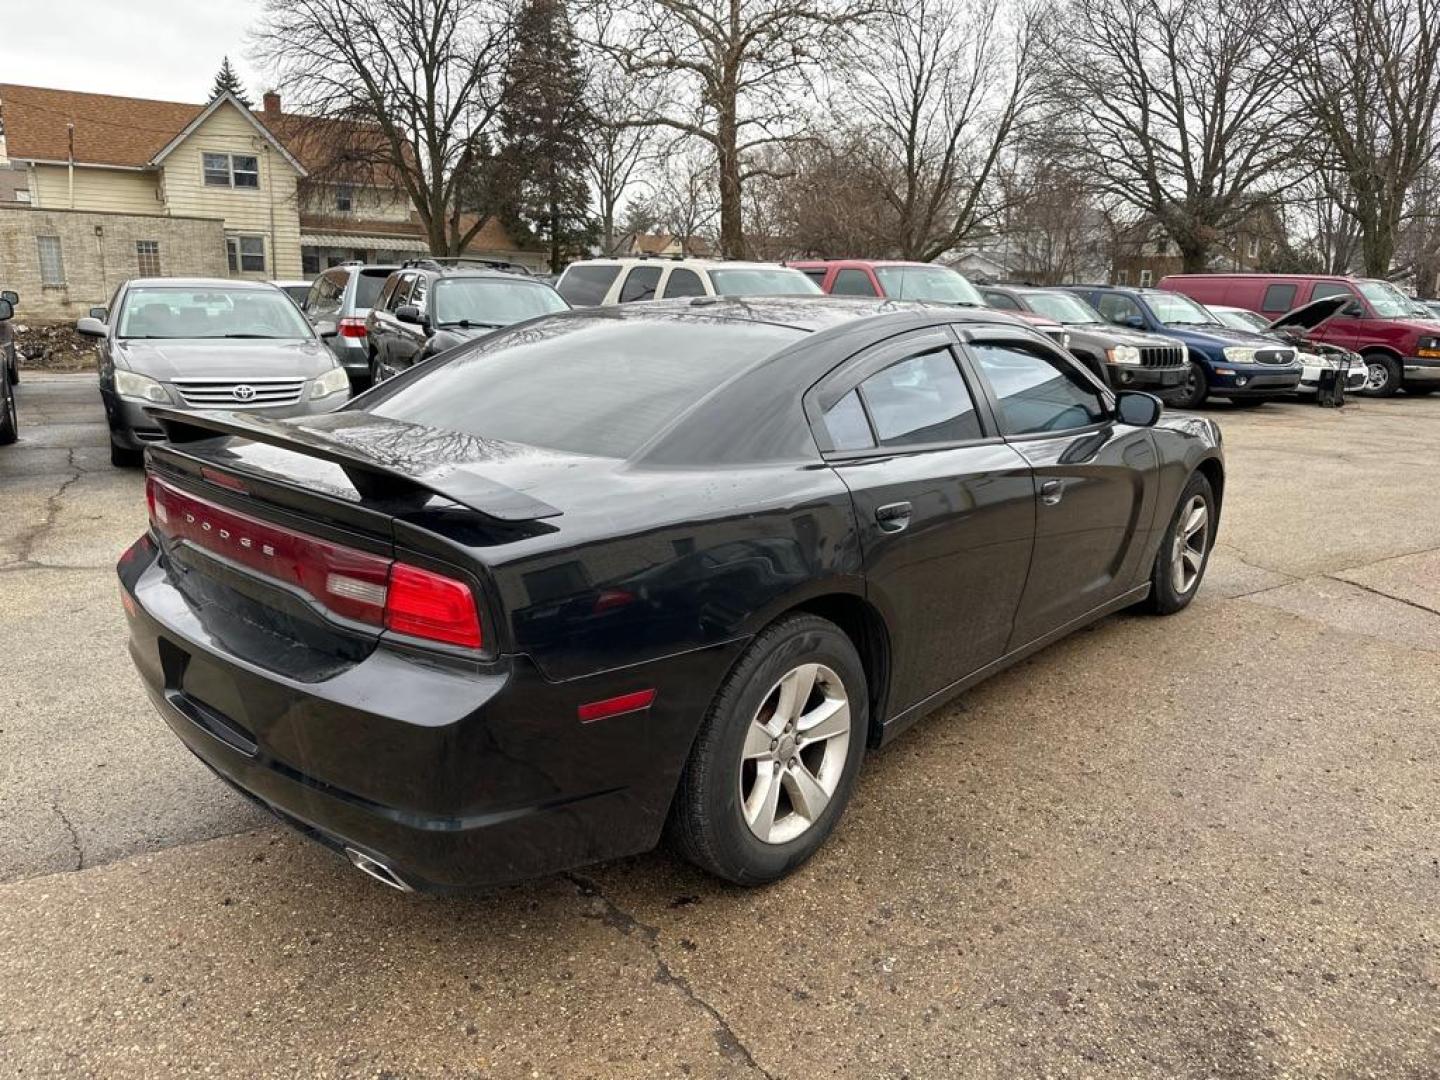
(372, 478)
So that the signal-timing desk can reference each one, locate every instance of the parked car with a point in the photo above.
(298, 291)
(1121, 358)
(431, 306)
(1223, 362)
(1315, 356)
(9, 351)
(592, 282)
(1400, 348)
(9, 415)
(194, 343)
(338, 303)
(675, 562)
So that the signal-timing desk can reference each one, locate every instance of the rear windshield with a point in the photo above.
(490, 301)
(762, 281)
(368, 286)
(586, 286)
(589, 385)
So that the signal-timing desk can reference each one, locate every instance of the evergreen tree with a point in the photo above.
(544, 122)
(227, 82)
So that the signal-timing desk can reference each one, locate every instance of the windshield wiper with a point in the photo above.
(263, 337)
(466, 324)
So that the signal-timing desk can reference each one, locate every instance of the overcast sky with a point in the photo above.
(164, 49)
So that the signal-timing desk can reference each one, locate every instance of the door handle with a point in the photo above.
(1052, 491)
(893, 517)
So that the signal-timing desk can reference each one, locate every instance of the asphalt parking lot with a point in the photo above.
(1204, 846)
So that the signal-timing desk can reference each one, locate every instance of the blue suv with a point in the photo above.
(1236, 364)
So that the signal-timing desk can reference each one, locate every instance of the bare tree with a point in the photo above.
(1176, 107)
(1369, 75)
(811, 200)
(407, 90)
(1053, 227)
(735, 76)
(940, 90)
(619, 148)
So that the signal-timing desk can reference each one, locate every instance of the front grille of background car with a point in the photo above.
(1274, 356)
(1162, 356)
(221, 393)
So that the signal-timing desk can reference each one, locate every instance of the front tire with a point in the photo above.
(1191, 394)
(1384, 377)
(776, 757)
(1185, 549)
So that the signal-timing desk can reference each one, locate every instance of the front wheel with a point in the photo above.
(776, 757)
(1192, 392)
(9, 420)
(1185, 550)
(1384, 377)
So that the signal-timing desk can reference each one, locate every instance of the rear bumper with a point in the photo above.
(1135, 377)
(1422, 369)
(352, 353)
(131, 427)
(452, 775)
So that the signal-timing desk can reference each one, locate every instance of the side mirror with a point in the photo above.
(409, 313)
(1137, 408)
(1353, 310)
(91, 327)
(99, 313)
(7, 309)
(12, 296)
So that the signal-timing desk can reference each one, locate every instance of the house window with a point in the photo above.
(246, 254)
(22, 195)
(52, 260)
(1145, 279)
(344, 198)
(1254, 247)
(147, 258)
(231, 170)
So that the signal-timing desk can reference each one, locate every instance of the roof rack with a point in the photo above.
(447, 262)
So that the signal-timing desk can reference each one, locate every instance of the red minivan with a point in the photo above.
(1400, 348)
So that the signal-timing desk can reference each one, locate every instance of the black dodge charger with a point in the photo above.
(662, 569)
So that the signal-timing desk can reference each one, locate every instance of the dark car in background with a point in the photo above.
(1122, 358)
(196, 343)
(9, 415)
(1246, 368)
(430, 306)
(337, 304)
(665, 567)
(9, 352)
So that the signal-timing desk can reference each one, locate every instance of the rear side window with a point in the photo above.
(586, 286)
(368, 284)
(324, 298)
(401, 296)
(847, 425)
(1330, 288)
(640, 284)
(1278, 299)
(921, 400)
(852, 283)
(682, 282)
(1001, 300)
(587, 384)
(1036, 393)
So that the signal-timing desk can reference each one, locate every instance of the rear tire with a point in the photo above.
(1385, 375)
(1184, 550)
(1191, 394)
(777, 755)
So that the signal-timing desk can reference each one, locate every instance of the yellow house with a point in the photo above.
(101, 153)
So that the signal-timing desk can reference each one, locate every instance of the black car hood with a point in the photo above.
(1123, 335)
(1308, 316)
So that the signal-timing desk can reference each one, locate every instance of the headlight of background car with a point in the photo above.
(332, 382)
(139, 387)
(1428, 346)
(1240, 354)
(1123, 354)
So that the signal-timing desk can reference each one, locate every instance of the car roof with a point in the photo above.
(807, 313)
(199, 283)
(666, 260)
(865, 262)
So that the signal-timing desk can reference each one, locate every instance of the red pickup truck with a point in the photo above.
(1400, 348)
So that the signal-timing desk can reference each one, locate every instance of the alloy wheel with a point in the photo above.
(1187, 556)
(1379, 375)
(795, 753)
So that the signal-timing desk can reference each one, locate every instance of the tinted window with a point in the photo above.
(589, 384)
(1036, 392)
(418, 291)
(586, 286)
(921, 400)
(846, 424)
(816, 276)
(852, 283)
(368, 284)
(682, 282)
(1329, 288)
(324, 297)
(401, 295)
(1279, 299)
(640, 284)
(1002, 300)
(1117, 308)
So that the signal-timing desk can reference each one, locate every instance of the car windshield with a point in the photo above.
(211, 312)
(1241, 320)
(588, 384)
(762, 281)
(491, 301)
(937, 283)
(1385, 300)
(1172, 309)
(1064, 308)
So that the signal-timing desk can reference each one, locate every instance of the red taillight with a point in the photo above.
(372, 589)
(431, 606)
(352, 327)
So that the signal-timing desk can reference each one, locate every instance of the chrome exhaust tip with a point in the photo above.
(377, 870)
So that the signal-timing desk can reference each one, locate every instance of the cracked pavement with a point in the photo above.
(1203, 846)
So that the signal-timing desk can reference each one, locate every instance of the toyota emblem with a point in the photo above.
(243, 392)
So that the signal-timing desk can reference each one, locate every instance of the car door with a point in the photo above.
(386, 327)
(1095, 478)
(407, 339)
(944, 508)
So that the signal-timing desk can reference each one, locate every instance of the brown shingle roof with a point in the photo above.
(109, 130)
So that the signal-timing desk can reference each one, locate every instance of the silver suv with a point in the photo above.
(592, 282)
(338, 302)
